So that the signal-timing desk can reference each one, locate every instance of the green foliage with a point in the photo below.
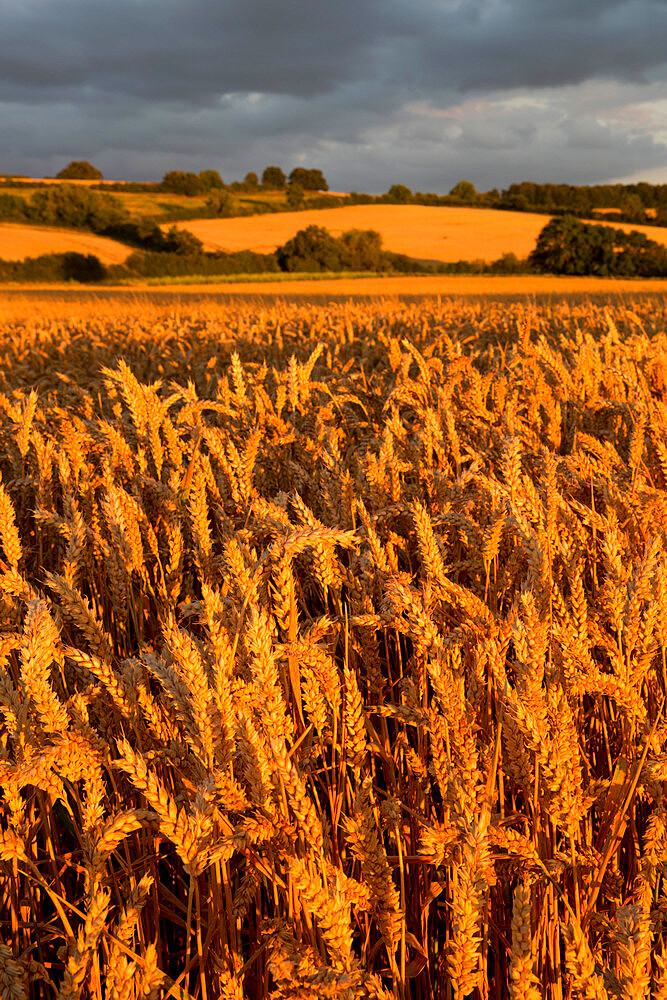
(295, 196)
(211, 180)
(80, 170)
(182, 182)
(85, 268)
(144, 234)
(464, 191)
(56, 267)
(12, 208)
(312, 249)
(399, 193)
(568, 246)
(191, 184)
(361, 250)
(251, 181)
(274, 179)
(182, 242)
(222, 204)
(174, 265)
(583, 200)
(309, 180)
(76, 207)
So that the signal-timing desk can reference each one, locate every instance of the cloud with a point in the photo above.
(372, 91)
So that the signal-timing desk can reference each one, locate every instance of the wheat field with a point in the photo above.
(433, 233)
(18, 242)
(332, 649)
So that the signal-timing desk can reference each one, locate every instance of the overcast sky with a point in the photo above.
(373, 92)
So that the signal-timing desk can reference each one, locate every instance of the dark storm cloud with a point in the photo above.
(139, 84)
(177, 50)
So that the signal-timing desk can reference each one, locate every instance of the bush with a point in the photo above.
(295, 196)
(361, 250)
(80, 170)
(222, 204)
(174, 265)
(85, 268)
(144, 234)
(12, 208)
(182, 242)
(76, 207)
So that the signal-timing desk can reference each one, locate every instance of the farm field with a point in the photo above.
(278, 287)
(332, 647)
(426, 233)
(18, 242)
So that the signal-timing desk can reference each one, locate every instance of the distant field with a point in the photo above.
(18, 242)
(329, 288)
(424, 232)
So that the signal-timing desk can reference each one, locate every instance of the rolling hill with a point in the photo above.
(18, 242)
(427, 233)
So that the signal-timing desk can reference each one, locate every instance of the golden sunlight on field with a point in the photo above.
(332, 649)
(421, 286)
(18, 242)
(423, 232)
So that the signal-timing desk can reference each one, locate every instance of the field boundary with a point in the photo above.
(428, 285)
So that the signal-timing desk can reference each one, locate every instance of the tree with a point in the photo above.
(399, 193)
(568, 246)
(80, 170)
(362, 250)
(251, 180)
(182, 242)
(295, 196)
(309, 180)
(632, 209)
(274, 178)
(85, 268)
(311, 249)
(183, 182)
(211, 180)
(222, 204)
(464, 191)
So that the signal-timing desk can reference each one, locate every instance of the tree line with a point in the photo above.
(635, 203)
(190, 183)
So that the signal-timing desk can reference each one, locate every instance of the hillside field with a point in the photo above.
(426, 233)
(332, 648)
(18, 242)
